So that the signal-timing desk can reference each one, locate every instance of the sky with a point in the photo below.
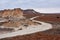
(7, 4)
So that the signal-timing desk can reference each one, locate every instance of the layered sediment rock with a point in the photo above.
(15, 19)
(11, 15)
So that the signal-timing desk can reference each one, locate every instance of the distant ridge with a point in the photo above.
(31, 13)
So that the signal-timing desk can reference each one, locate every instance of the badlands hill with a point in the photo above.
(53, 18)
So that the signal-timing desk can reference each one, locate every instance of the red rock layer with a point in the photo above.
(35, 36)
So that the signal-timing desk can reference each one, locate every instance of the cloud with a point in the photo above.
(29, 3)
(47, 10)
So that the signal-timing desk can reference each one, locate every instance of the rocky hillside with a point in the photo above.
(43, 17)
(31, 13)
(53, 18)
(53, 34)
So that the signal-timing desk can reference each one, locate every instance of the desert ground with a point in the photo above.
(51, 34)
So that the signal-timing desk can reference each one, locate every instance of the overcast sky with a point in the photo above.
(7, 4)
(29, 4)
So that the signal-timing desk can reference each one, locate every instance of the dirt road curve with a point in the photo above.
(29, 30)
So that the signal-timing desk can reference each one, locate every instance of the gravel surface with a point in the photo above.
(29, 30)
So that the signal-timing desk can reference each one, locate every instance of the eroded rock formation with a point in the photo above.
(15, 19)
(11, 15)
(17, 13)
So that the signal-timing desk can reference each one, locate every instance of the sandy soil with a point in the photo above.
(29, 30)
